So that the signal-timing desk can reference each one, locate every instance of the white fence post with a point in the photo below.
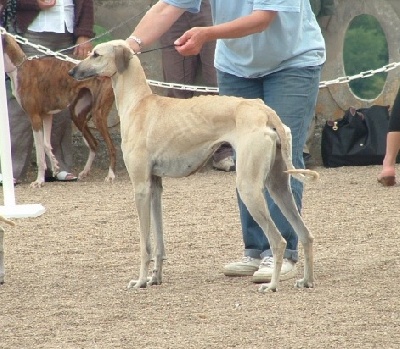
(10, 209)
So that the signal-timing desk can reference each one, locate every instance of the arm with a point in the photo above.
(191, 42)
(154, 24)
(83, 28)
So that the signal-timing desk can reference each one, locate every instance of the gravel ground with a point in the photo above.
(67, 270)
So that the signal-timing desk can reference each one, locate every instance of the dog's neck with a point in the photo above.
(130, 86)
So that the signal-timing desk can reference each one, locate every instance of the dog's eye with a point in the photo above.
(95, 55)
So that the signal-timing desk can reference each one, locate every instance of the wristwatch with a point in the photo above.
(137, 40)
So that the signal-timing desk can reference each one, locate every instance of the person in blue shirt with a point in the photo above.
(267, 49)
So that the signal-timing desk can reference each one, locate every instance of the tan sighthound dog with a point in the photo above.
(2, 269)
(168, 137)
(43, 87)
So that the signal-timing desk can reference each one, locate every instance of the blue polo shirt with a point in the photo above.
(293, 39)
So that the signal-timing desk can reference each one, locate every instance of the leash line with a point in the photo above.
(158, 48)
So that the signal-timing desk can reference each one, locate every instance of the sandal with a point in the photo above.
(62, 176)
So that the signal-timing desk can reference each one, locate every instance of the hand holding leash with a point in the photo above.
(191, 42)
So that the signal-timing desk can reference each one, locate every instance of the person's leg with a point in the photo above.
(308, 161)
(20, 134)
(223, 158)
(292, 93)
(254, 239)
(177, 68)
(387, 176)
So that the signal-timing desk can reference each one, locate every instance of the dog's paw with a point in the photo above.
(302, 283)
(264, 288)
(154, 281)
(110, 176)
(83, 174)
(139, 283)
(37, 184)
(136, 284)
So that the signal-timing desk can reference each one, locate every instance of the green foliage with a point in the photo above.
(101, 35)
(365, 48)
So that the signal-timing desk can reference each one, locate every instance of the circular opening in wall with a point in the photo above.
(365, 48)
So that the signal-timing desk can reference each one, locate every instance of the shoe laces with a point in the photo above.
(267, 262)
(246, 259)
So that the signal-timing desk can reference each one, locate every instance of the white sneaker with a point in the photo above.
(264, 273)
(246, 267)
(226, 164)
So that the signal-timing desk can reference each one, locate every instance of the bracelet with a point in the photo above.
(137, 40)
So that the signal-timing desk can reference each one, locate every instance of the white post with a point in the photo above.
(10, 209)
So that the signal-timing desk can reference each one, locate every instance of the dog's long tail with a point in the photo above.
(303, 174)
(285, 137)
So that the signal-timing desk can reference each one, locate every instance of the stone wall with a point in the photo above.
(332, 100)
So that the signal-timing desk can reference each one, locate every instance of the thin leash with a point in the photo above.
(111, 29)
(157, 49)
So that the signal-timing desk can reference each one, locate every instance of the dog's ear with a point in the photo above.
(122, 57)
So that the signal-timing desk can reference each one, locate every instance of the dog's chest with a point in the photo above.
(181, 165)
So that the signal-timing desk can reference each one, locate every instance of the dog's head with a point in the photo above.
(105, 60)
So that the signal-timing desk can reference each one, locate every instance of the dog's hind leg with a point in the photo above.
(47, 126)
(255, 155)
(79, 110)
(40, 158)
(278, 184)
(157, 226)
(42, 136)
(103, 102)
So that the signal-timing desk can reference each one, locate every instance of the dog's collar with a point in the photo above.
(18, 65)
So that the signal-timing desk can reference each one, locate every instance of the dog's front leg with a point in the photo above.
(142, 200)
(40, 158)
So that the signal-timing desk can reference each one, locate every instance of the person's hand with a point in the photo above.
(84, 47)
(46, 4)
(191, 42)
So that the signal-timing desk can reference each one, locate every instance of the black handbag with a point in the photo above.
(357, 139)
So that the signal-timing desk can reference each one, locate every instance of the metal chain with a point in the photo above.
(322, 84)
(40, 48)
(362, 75)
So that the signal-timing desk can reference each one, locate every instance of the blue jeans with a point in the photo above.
(292, 93)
